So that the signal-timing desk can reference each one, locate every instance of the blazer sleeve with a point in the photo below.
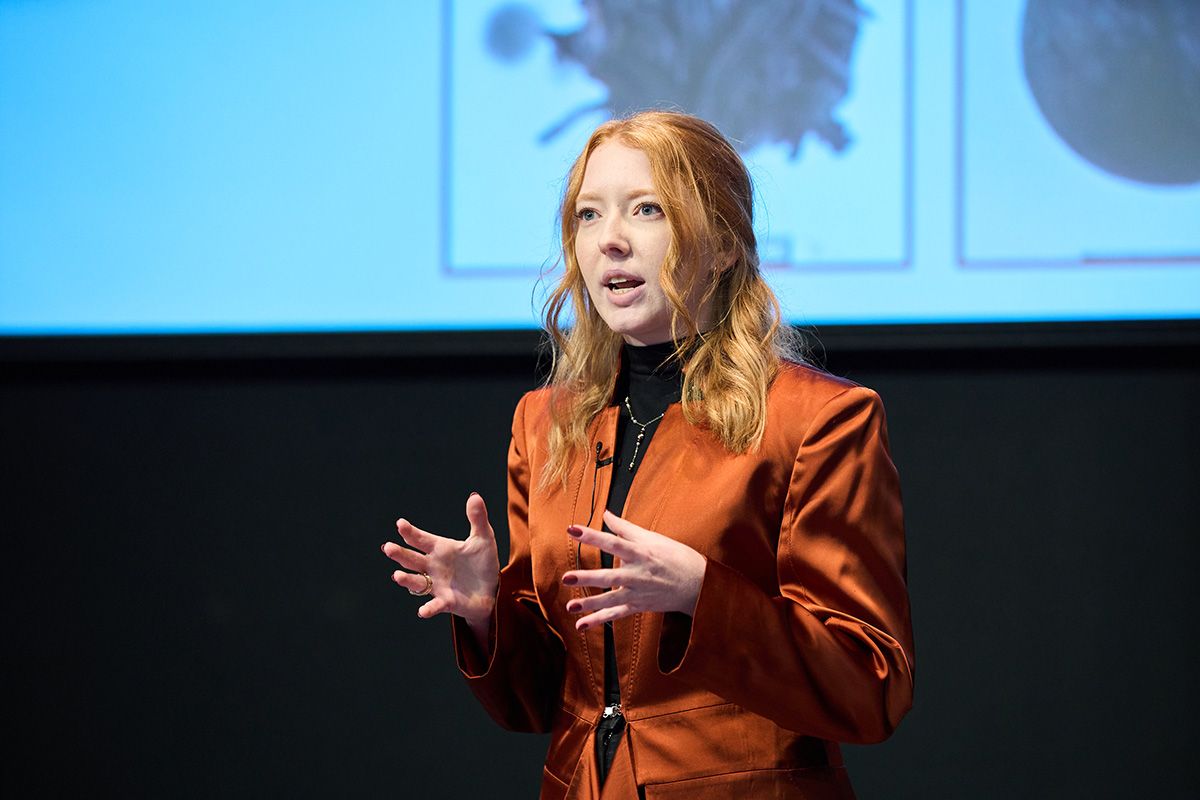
(519, 679)
(831, 655)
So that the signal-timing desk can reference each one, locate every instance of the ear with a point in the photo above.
(725, 260)
(727, 256)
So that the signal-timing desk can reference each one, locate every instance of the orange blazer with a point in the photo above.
(801, 636)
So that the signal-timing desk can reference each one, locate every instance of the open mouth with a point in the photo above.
(623, 285)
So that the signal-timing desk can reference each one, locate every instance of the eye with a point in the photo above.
(586, 214)
(649, 210)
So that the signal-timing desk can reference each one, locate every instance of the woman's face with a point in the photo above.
(621, 240)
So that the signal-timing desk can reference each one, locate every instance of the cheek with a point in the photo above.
(659, 249)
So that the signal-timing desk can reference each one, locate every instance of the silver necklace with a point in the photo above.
(641, 431)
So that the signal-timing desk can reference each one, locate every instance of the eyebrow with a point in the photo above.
(591, 197)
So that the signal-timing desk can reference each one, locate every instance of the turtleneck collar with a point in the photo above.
(652, 361)
(650, 378)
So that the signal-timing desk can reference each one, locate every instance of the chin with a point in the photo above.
(628, 330)
(642, 338)
(639, 324)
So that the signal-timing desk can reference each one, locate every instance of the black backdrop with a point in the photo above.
(196, 603)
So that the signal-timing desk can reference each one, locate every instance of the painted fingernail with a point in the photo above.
(573, 530)
(573, 608)
(583, 626)
(570, 580)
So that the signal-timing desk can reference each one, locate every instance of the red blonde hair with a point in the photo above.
(707, 197)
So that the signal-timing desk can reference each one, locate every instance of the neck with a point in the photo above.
(651, 377)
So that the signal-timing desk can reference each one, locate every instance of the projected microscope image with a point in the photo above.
(763, 71)
(1119, 81)
(813, 92)
(1079, 133)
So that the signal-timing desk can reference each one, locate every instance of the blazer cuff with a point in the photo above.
(716, 622)
(472, 661)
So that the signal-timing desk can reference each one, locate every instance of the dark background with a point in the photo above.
(197, 605)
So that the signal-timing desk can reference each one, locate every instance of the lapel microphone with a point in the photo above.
(600, 462)
(597, 464)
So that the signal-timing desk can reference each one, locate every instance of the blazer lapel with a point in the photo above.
(591, 497)
(656, 476)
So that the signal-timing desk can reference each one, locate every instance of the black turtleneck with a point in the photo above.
(651, 385)
(652, 380)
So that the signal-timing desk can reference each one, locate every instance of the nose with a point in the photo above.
(613, 239)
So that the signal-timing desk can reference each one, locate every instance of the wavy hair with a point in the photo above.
(706, 195)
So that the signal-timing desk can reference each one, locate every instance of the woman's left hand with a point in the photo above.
(656, 573)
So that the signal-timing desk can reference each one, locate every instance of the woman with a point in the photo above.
(706, 582)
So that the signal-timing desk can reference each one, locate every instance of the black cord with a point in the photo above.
(599, 462)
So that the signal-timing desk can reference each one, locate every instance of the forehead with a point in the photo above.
(616, 166)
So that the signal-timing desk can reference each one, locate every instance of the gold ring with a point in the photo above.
(428, 586)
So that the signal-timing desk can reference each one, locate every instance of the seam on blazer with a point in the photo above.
(548, 773)
(565, 708)
(633, 658)
(643, 717)
(783, 772)
(576, 594)
(573, 553)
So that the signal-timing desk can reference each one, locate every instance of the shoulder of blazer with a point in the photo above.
(533, 410)
(799, 396)
(801, 387)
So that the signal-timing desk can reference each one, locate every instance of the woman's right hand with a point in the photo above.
(464, 574)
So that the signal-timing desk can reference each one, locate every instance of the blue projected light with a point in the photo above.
(319, 166)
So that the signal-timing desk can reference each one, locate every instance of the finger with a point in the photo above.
(407, 558)
(604, 615)
(414, 582)
(414, 536)
(478, 517)
(431, 609)
(595, 602)
(605, 541)
(623, 527)
(605, 578)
